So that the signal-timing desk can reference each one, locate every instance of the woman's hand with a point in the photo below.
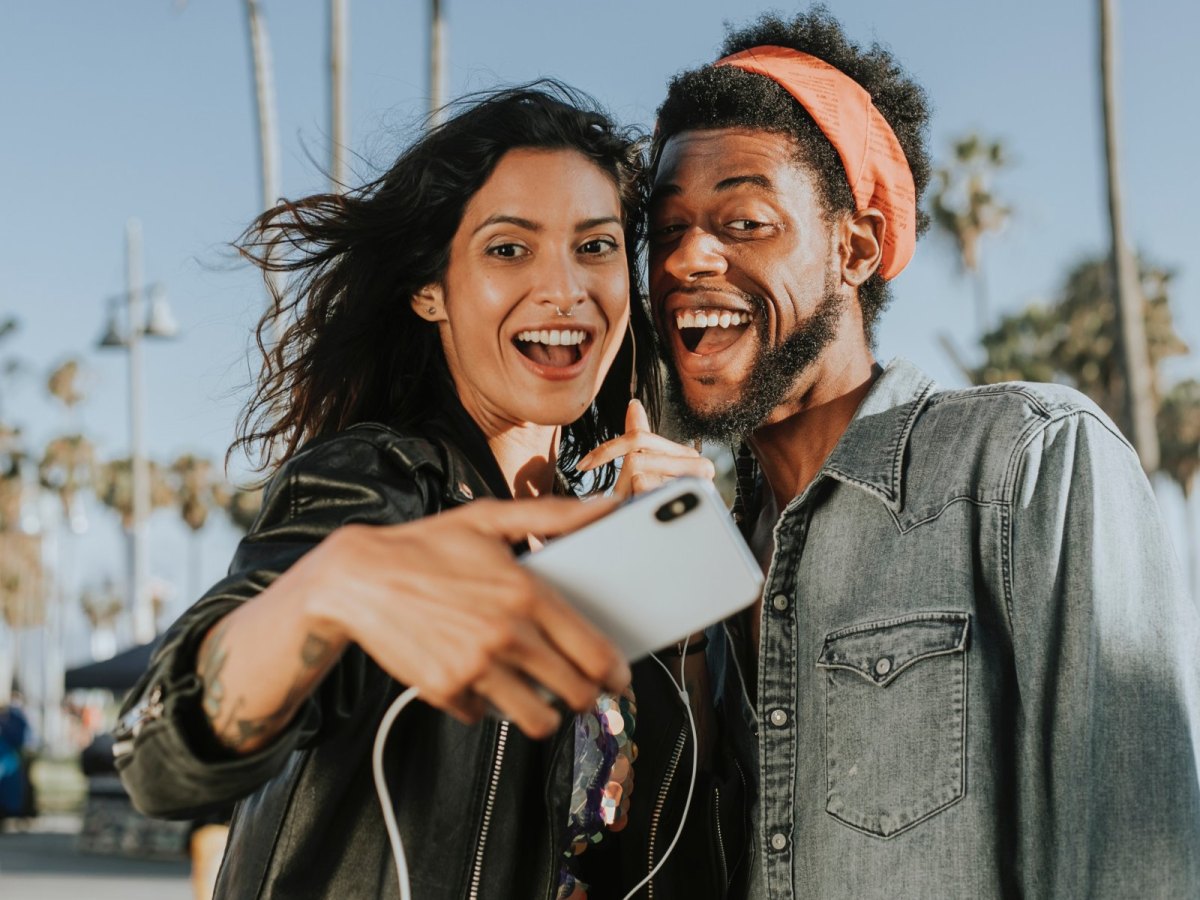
(650, 459)
(441, 605)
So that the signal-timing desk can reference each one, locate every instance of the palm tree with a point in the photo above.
(243, 506)
(965, 208)
(197, 493)
(1135, 359)
(1179, 440)
(67, 468)
(1073, 340)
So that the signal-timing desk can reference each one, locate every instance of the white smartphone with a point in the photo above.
(660, 567)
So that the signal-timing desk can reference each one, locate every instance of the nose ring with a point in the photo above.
(558, 311)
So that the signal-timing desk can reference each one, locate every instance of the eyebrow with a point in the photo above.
(530, 225)
(725, 184)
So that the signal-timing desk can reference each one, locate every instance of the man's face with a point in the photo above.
(744, 277)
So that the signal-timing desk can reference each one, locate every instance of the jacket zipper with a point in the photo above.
(660, 801)
(720, 840)
(488, 807)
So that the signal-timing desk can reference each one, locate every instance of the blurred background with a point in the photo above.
(140, 138)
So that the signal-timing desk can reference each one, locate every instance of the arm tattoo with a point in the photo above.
(236, 731)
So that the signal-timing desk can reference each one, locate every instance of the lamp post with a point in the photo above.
(159, 324)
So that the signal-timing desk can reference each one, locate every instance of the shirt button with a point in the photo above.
(778, 840)
(883, 666)
(778, 718)
(780, 602)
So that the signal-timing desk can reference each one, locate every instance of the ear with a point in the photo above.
(861, 245)
(429, 303)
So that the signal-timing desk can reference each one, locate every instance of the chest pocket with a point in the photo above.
(895, 720)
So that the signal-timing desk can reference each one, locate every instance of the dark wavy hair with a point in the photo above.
(728, 97)
(352, 349)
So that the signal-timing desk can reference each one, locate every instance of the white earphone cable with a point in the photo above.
(389, 814)
(381, 789)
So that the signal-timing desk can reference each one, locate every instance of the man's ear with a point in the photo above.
(429, 303)
(861, 245)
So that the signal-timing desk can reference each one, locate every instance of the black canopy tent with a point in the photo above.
(118, 674)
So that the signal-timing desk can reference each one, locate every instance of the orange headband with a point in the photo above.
(875, 165)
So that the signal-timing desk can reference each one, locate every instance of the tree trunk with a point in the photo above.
(1139, 417)
(437, 35)
(268, 140)
(339, 62)
(1192, 550)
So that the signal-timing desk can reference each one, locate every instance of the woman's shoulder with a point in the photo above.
(367, 449)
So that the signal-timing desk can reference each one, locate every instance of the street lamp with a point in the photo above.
(159, 324)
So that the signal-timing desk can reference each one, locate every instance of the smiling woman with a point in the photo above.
(461, 329)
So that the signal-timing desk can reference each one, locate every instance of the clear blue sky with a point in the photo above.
(142, 108)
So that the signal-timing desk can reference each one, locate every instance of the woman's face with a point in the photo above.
(535, 301)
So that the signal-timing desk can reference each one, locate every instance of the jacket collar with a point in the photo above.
(870, 453)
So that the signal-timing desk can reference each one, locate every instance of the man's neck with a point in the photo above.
(792, 448)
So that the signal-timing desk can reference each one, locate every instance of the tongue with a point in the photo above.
(714, 340)
(552, 357)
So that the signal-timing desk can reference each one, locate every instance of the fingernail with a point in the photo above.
(622, 676)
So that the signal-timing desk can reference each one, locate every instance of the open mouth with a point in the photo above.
(553, 348)
(707, 331)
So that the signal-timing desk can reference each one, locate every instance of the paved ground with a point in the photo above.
(43, 864)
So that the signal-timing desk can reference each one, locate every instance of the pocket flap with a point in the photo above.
(879, 651)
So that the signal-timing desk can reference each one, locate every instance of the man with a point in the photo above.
(977, 672)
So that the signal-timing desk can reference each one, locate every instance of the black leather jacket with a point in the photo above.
(482, 809)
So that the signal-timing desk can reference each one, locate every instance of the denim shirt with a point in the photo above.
(979, 669)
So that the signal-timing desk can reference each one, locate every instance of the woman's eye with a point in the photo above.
(598, 246)
(507, 251)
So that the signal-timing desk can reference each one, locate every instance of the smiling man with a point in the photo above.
(975, 672)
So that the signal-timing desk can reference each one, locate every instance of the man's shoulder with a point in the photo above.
(1007, 415)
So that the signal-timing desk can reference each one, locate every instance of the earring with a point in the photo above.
(431, 309)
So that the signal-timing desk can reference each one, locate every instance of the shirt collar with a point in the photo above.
(870, 453)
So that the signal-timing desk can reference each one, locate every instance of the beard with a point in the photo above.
(773, 375)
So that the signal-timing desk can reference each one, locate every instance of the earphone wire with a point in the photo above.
(687, 803)
(381, 789)
(389, 814)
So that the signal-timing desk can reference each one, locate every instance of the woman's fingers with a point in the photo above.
(514, 520)
(517, 699)
(642, 472)
(634, 442)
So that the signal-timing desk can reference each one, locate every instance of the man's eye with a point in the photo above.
(598, 246)
(745, 225)
(507, 251)
(665, 232)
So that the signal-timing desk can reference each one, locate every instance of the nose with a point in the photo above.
(559, 281)
(696, 255)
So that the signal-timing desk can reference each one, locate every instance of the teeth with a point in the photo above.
(710, 319)
(553, 338)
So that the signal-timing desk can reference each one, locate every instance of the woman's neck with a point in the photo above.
(528, 457)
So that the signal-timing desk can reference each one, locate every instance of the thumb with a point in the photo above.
(635, 417)
(514, 520)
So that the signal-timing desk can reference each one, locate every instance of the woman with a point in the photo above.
(460, 329)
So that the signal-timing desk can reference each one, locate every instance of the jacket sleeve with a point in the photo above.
(1107, 656)
(167, 757)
